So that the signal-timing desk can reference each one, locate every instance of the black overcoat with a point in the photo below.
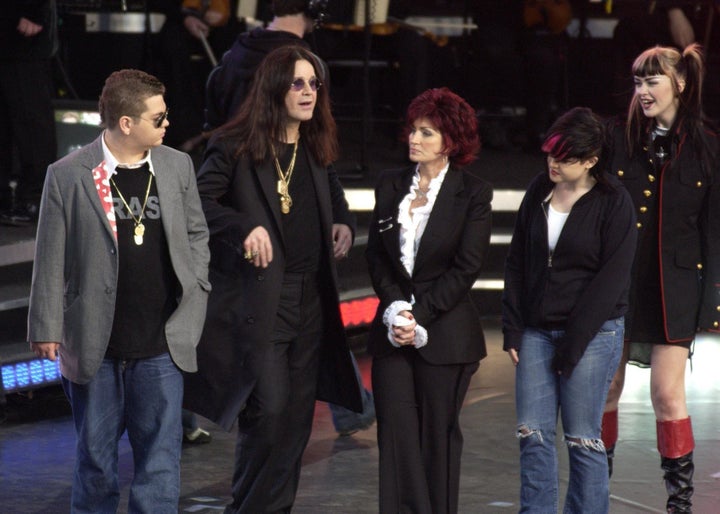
(238, 196)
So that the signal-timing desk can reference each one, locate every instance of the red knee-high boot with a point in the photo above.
(676, 443)
(609, 436)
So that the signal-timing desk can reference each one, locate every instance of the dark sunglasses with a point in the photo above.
(158, 122)
(161, 119)
(299, 84)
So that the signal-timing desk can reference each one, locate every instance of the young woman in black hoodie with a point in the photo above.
(566, 280)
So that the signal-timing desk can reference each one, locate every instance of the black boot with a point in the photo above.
(678, 482)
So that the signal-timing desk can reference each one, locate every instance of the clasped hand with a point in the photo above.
(403, 329)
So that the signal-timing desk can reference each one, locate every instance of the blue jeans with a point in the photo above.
(141, 396)
(345, 420)
(539, 394)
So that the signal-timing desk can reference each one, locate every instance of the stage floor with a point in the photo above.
(339, 474)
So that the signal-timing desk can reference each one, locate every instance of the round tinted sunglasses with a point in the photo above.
(299, 84)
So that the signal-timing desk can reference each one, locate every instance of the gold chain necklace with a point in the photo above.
(139, 227)
(283, 183)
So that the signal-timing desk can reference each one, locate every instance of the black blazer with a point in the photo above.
(448, 261)
(238, 196)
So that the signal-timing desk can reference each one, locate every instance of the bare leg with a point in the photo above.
(667, 382)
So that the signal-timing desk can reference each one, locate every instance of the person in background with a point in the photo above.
(428, 236)
(566, 287)
(119, 291)
(28, 39)
(274, 340)
(666, 155)
(211, 27)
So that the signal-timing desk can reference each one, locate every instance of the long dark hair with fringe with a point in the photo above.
(687, 67)
(262, 117)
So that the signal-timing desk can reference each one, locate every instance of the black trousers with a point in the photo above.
(27, 124)
(419, 437)
(275, 425)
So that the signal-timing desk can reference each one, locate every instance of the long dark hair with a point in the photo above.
(262, 116)
(686, 68)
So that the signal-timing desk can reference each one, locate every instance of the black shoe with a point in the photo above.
(197, 436)
(365, 422)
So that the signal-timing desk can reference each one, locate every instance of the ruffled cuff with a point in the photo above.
(393, 310)
(389, 315)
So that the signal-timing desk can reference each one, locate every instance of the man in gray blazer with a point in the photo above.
(119, 294)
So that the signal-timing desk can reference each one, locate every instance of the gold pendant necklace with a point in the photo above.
(139, 231)
(283, 183)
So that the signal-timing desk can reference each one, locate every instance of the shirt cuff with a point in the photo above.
(421, 335)
(389, 315)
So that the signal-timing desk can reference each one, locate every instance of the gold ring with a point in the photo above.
(248, 256)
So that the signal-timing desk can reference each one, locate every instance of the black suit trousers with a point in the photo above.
(275, 425)
(27, 124)
(419, 437)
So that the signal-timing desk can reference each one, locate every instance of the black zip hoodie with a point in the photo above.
(585, 280)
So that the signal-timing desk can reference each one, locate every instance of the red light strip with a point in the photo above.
(360, 312)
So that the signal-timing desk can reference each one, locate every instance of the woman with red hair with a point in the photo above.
(428, 236)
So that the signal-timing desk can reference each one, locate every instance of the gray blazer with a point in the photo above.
(72, 299)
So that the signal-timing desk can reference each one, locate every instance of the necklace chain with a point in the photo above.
(421, 195)
(139, 231)
(283, 183)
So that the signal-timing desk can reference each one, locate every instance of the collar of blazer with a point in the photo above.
(93, 155)
(446, 211)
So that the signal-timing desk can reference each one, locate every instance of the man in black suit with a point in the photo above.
(28, 38)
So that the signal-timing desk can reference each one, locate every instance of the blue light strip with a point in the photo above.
(20, 376)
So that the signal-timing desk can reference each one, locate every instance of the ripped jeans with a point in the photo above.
(539, 395)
